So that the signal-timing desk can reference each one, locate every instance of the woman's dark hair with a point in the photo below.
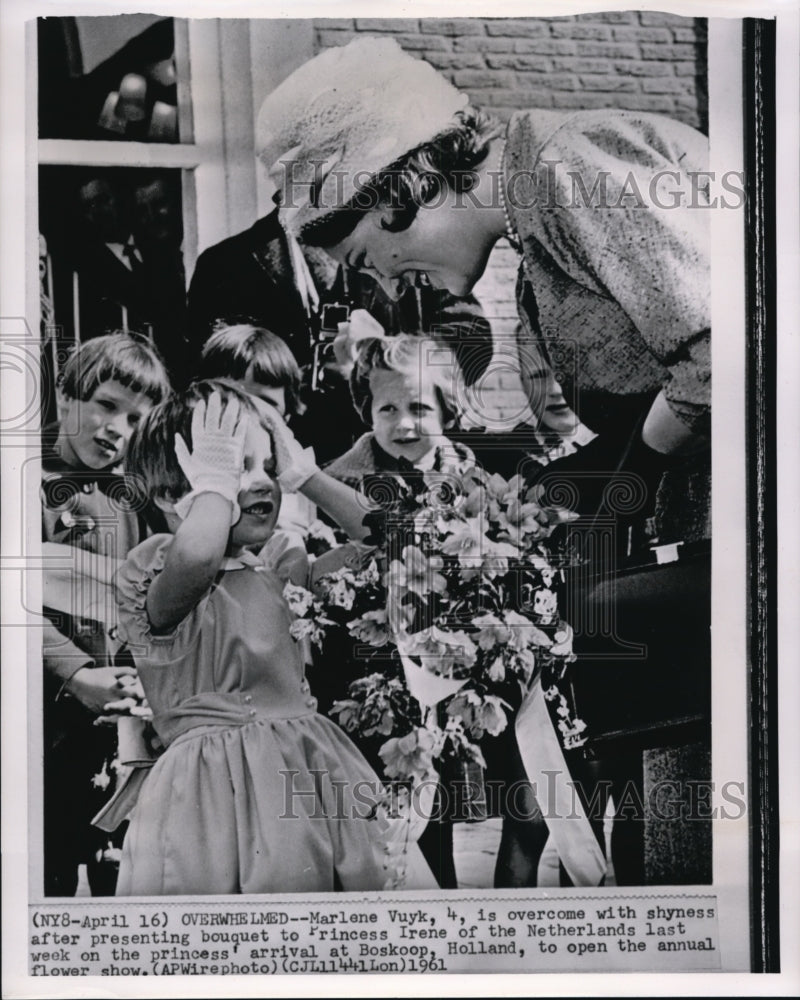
(418, 178)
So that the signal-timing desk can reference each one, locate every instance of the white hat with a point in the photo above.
(342, 117)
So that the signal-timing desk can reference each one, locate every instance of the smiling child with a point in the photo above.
(407, 389)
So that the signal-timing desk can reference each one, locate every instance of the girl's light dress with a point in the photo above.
(256, 792)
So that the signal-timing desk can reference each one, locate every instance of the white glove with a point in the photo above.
(295, 464)
(215, 462)
(360, 326)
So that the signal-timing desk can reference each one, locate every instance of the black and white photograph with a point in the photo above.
(361, 455)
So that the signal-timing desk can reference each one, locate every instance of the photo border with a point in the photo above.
(761, 337)
(760, 112)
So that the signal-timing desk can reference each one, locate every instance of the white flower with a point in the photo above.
(370, 627)
(523, 632)
(103, 779)
(410, 756)
(545, 603)
(323, 532)
(341, 594)
(562, 645)
(497, 671)
(479, 714)
(306, 628)
(492, 631)
(299, 599)
(371, 575)
(525, 661)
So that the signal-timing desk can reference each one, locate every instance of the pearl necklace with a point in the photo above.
(511, 234)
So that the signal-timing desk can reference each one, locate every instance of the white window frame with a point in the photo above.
(225, 68)
(199, 157)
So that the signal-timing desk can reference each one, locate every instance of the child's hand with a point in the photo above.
(96, 687)
(215, 462)
(133, 703)
(345, 347)
(295, 465)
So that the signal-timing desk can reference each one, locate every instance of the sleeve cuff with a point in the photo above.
(62, 691)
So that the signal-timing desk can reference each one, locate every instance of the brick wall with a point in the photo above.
(638, 60)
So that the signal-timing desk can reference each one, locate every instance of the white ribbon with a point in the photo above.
(427, 687)
(303, 278)
(543, 759)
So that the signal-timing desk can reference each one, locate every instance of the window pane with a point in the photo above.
(112, 256)
(108, 78)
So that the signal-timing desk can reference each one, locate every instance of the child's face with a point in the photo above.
(406, 414)
(95, 432)
(259, 490)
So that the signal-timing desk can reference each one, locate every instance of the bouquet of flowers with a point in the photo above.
(454, 603)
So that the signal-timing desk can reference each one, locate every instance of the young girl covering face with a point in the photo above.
(256, 792)
(261, 364)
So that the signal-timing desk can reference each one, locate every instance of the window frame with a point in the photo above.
(199, 62)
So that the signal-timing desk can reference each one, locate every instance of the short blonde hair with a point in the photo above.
(408, 354)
